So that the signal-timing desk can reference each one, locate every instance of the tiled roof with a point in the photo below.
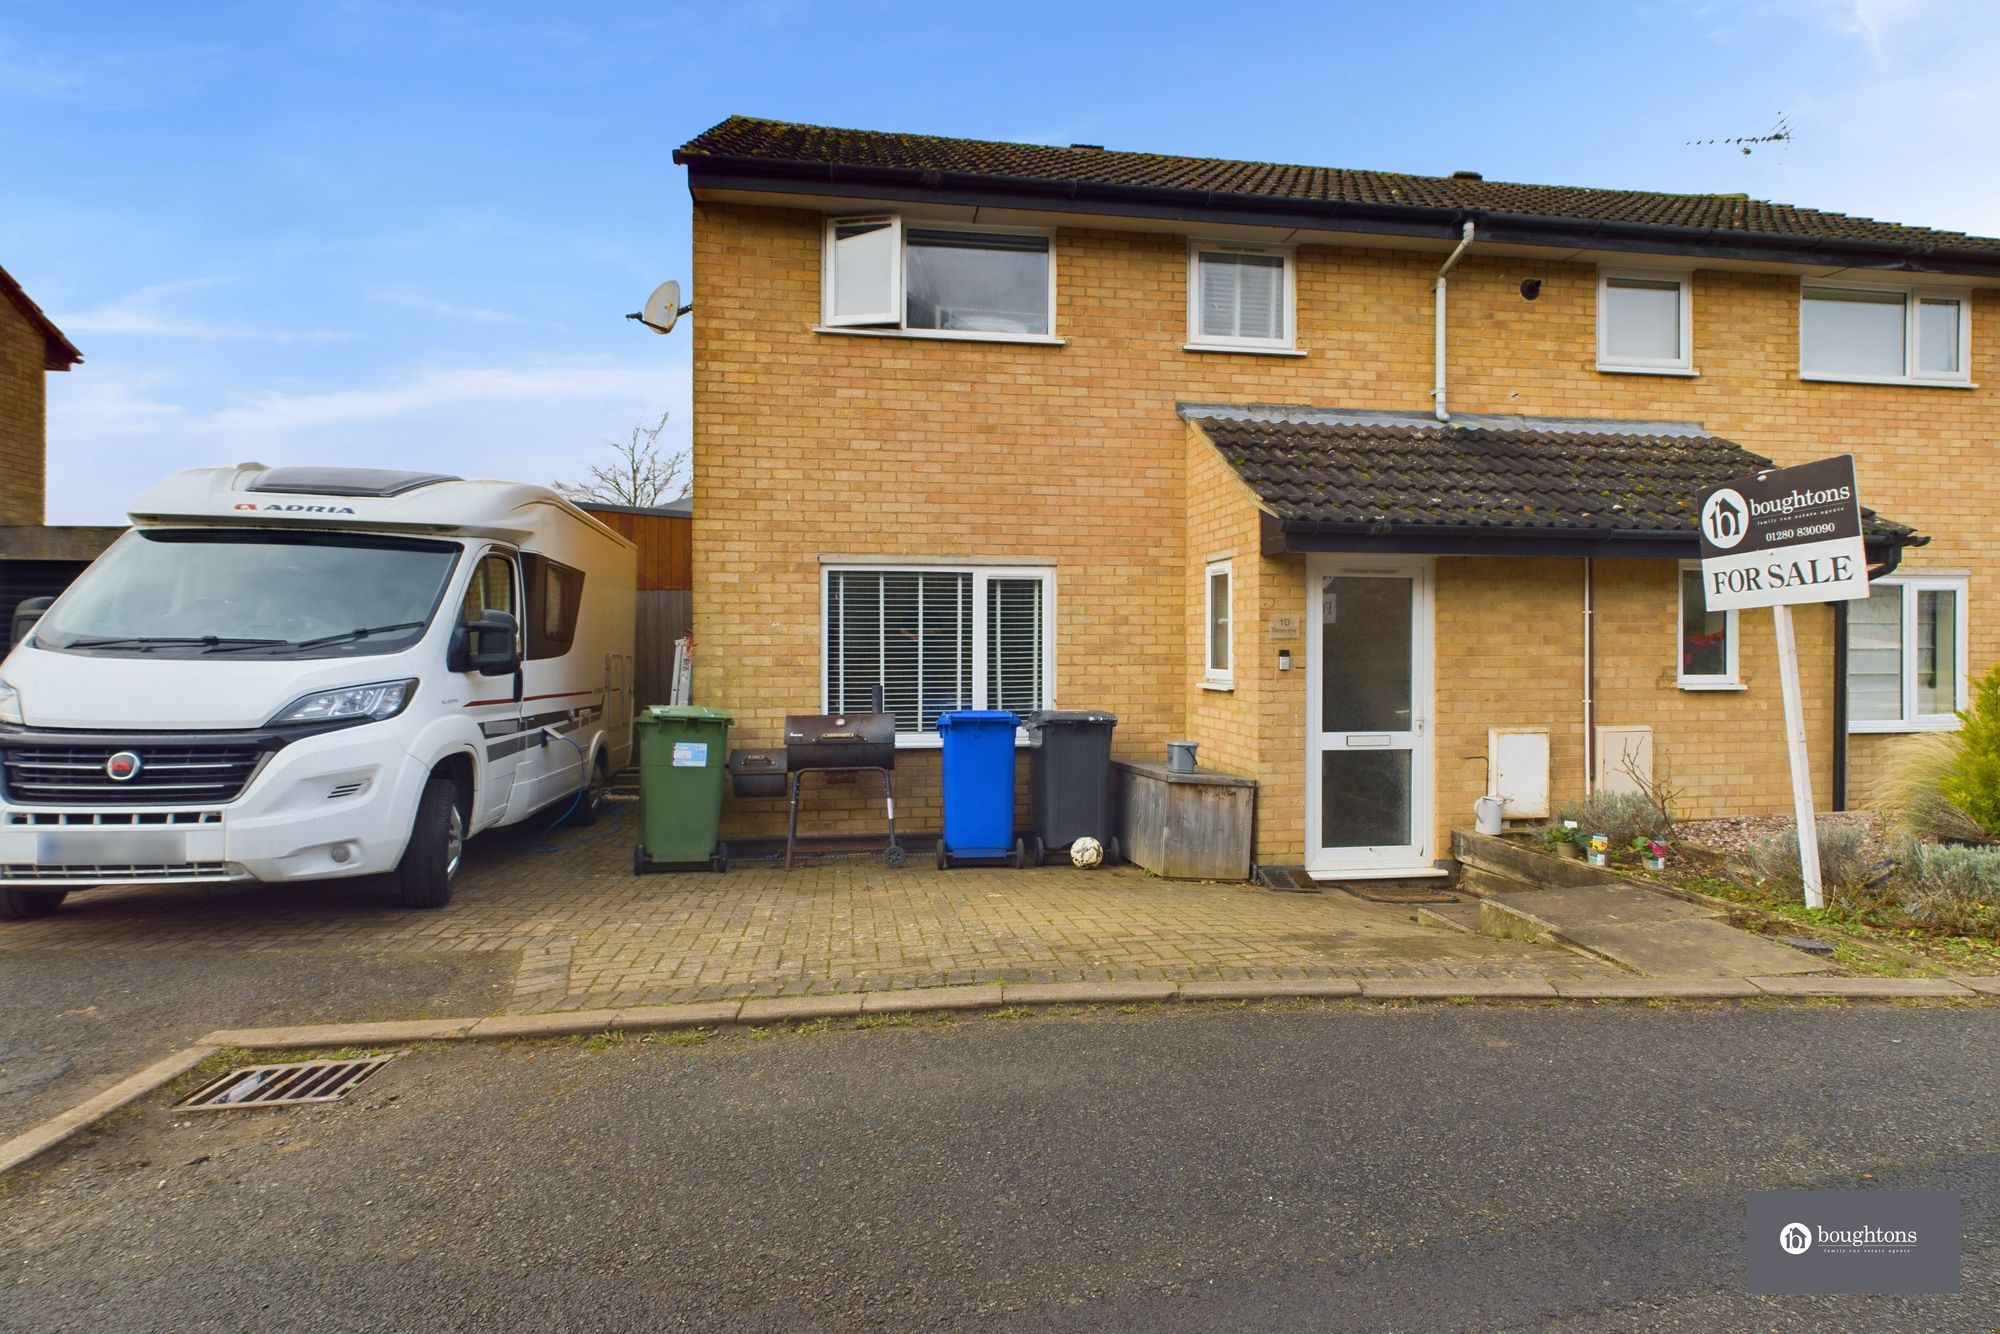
(1397, 474)
(59, 354)
(770, 141)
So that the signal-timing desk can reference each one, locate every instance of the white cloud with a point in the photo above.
(146, 312)
(112, 432)
(1869, 20)
(447, 309)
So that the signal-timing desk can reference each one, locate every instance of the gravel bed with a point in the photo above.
(1745, 832)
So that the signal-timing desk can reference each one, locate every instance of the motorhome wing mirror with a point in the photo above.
(488, 645)
(26, 613)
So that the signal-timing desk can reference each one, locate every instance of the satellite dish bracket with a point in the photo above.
(660, 328)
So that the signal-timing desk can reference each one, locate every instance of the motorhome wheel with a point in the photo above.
(437, 845)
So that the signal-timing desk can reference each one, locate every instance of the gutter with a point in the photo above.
(1281, 535)
(909, 184)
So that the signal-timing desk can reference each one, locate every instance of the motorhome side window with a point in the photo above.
(491, 589)
(555, 593)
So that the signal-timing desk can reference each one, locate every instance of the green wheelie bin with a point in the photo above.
(683, 755)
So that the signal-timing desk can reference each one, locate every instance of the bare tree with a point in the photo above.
(638, 473)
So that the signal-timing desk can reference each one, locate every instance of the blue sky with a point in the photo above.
(407, 233)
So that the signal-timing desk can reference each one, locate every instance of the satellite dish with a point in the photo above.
(663, 307)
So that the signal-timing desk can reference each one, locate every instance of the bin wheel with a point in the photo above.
(1020, 857)
(1038, 853)
(893, 856)
(943, 858)
(1112, 856)
(720, 861)
(638, 859)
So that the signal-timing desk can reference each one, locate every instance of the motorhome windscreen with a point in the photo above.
(252, 593)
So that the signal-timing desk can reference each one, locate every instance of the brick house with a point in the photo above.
(35, 560)
(1377, 486)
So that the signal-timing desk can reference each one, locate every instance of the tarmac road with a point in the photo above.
(75, 1020)
(1325, 1168)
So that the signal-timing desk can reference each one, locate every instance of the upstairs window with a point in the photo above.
(1877, 334)
(1239, 297)
(971, 283)
(933, 640)
(1644, 323)
(1906, 655)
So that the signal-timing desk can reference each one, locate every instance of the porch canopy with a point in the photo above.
(1332, 479)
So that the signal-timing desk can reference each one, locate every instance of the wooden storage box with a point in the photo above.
(1192, 826)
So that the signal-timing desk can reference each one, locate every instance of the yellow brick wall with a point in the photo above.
(1222, 523)
(818, 444)
(23, 416)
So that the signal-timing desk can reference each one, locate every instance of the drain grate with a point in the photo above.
(282, 1085)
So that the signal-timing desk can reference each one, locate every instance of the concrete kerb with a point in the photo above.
(87, 1113)
(766, 1011)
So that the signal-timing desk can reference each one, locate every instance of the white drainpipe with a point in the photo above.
(1437, 394)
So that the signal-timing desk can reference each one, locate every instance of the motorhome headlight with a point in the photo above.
(10, 704)
(349, 704)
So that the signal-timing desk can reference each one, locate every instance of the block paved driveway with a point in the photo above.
(586, 933)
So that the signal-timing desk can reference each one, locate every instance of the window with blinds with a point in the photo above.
(1875, 656)
(931, 641)
(1906, 655)
(1239, 297)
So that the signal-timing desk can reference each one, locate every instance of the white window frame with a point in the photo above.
(982, 576)
(1213, 677)
(1913, 295)
(1731, 678)
(1681, 365)
(892, 324)
(1912, 721)
(1284, 345)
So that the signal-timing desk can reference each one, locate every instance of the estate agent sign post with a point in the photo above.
(1783, 537)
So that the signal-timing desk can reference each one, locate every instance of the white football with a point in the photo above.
(1086, 853)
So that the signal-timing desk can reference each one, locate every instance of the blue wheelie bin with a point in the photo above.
(979, 787)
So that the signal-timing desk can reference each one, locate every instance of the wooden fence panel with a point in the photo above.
(665, 542)
(664, 615)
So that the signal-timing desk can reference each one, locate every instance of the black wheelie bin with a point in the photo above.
(1071, 786)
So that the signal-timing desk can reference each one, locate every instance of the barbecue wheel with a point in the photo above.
(893, 857)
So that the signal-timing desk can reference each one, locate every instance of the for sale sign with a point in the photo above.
(1783, 537)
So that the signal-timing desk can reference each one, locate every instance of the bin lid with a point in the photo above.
(979, 718)
(1072, 716)
(686, 712)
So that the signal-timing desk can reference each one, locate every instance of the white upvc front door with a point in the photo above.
(1368, 717)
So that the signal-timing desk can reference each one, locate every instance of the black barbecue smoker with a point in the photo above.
(842, 743)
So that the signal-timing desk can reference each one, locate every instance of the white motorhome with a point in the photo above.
(302, 673)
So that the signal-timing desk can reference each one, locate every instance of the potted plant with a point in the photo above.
(1654, 851)
(1565, 839)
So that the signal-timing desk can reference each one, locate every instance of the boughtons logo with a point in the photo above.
(1725, 518)
(1795, 1238)
(123, 767)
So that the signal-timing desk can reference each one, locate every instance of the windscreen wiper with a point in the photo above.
(156, 641)
(361, 633)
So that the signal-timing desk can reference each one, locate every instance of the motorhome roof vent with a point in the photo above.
(345, 481)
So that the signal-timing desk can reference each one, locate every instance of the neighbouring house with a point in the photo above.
(35, 560)
(664, 535)
(1379, 487)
